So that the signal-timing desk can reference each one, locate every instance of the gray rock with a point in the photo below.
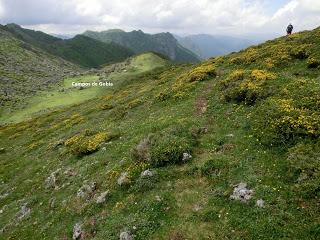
(87, 190)
(51, 181)
(77, 231)
(4, 195)
(147, 173)
(24, 211)
(69, 172)
(123, 179)
(52, 202)
(230, 135)
(126, 236)
(186, 157)
(102, 197)
(197, 208)
(260, 203)
(241, 193)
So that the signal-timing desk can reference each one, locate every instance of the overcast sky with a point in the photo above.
(223, 17)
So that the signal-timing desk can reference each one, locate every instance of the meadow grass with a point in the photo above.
(189, 200)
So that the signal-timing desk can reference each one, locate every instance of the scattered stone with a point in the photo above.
(197, 208)
(4, 195)
(123, 179)
(24, 211)
(158, 198)
(147, 173)
(230, 135)
(69, 172)
(51, 181)
(77, 231)
(87, 190)
(186, 157)
(104, 149)
(2, 150)
(4, 208)
(52, 202)
(102, 197)
(225, 148)
(241, 193)
(260, 203)
(126, 236)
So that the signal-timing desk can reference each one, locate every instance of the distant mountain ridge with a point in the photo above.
(207, 46)
(80, 49)
(140, 42)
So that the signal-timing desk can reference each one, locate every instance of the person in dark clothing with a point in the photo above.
(289, 29)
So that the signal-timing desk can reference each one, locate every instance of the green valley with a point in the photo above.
(66, 94)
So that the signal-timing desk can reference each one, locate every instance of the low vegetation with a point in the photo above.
(226, 149)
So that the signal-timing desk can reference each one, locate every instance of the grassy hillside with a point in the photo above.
(24, 70)
(140, 42)
(231, 145)
(65, 94)
(81, 50)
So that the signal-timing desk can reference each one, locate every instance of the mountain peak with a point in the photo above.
(13, 25)
(116, 30)
(140, 42)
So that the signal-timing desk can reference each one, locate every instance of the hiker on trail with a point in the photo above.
(289, 29)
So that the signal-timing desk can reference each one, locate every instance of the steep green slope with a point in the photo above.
(66, 94)
(140, 42)
(249, 120)
(25, 70)
(82, 50)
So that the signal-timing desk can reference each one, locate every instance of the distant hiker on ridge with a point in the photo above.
(289, 29)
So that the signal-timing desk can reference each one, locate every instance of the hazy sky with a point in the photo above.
(224, 17)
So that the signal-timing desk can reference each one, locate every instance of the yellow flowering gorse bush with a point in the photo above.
(292, 115)
(246, 86)
(82, 144)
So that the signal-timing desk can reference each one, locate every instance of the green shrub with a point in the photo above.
(313, 63)
(232, 79)
(164, 95)
(169, 149)
(300, 52)
(292, 115)
(87, 143)
(142, 151)
(165, 147)
(240, 86)
(119, 112)
(245, 57)
(210, 169)
(304, 162)
(134, 103)
(200, 73)
(236, 60)
(106, 106)
(189, 79)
